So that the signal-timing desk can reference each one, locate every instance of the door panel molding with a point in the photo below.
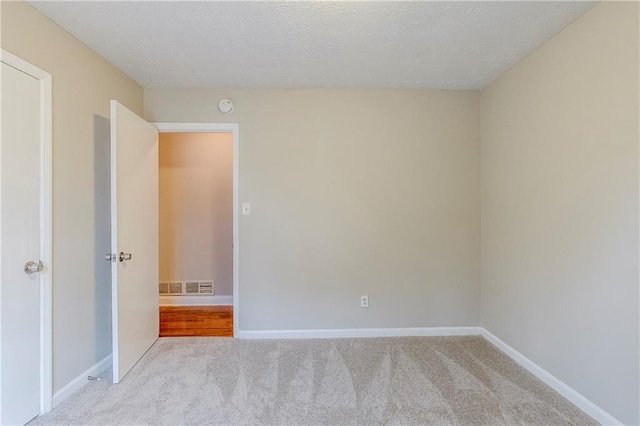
(46, 225)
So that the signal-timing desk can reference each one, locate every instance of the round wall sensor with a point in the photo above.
(225, 106)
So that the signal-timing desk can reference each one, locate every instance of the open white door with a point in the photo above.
(134, 237)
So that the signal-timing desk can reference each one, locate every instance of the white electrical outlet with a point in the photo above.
(364, 301)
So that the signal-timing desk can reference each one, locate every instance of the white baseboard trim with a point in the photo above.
(80, 381)
(556, 384)
(196, 300)
(359, 332)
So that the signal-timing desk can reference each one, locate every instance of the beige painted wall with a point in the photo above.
(560, 207)
(196, 208)
(83, 83)
(352, 192)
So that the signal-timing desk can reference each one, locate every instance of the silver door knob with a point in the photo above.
(33, 267)
(124, 256)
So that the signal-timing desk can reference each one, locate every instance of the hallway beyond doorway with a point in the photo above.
(196, 321)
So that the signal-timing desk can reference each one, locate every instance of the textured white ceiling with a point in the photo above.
(429, 45)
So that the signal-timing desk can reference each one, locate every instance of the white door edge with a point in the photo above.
(46, 225)
(234, 129)
(114, 247)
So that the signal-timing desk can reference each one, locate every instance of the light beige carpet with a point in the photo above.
(426, 381)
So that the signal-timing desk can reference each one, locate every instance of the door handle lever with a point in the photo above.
(124, 256)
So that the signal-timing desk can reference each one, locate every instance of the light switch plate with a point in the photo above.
(246, 209)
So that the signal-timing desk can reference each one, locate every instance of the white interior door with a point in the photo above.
(20, 289)
(134, 237)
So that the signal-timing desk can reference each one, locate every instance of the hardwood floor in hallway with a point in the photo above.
(196, 321)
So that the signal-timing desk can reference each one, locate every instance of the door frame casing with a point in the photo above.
(234, 129)
(46, 226)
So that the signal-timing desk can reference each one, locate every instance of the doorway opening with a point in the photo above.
(197, 192)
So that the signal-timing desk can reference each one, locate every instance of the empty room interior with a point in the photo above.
(304, 213)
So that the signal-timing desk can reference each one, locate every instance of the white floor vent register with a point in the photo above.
(182, 288)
